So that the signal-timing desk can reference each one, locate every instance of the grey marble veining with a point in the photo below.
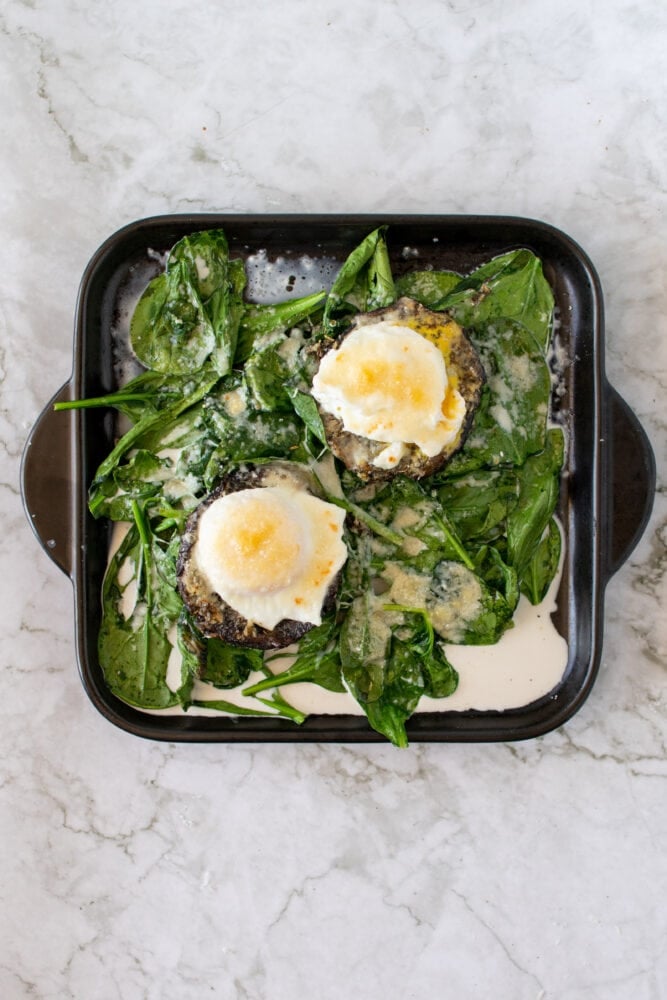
(531, 871)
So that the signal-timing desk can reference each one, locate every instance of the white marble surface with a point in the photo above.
(527, 871)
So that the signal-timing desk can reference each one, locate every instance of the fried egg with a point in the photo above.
(398, 392)
(271, 553)
(388, 383)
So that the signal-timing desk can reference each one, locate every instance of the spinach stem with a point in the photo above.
(111, 400)
(376, 526)
(456, 544)
(144, 538)
(284, 708)
(219, 705)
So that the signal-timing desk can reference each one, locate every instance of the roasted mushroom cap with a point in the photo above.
(212, 616)
(463, 365)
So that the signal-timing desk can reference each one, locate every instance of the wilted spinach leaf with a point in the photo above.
(351, 287)
(165, 462)
(191, 312)
(403, 688)
(317, 661)
(146, 393)
(423, 534)
(389, 660)
(427, 287)
(279, 709)
(275, 371)
(543, 566)
(387, 690)
(134, 641)
(539, 484)
(139, 479)
(364, 645)
(266, 374)
(260, 320)
(381, 290)
(497, 574)
(511, 286)
(510, 422)
(228, 666)
(416, 637)
(478, 504)
(306, 408)
(249, 436)
(464, 609)
(150, 428)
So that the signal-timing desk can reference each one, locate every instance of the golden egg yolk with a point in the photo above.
(396, 383)
(260, 547)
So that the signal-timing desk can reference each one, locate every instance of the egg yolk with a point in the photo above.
(380, 375)
(261, 547)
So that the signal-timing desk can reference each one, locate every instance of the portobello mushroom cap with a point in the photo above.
(462, 363)
(212, 616)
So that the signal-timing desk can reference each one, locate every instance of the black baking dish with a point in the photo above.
(607, 492)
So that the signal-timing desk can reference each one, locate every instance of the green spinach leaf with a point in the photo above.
(511, 286)
(317, 661)
(352, 279)
(262, 320)
(419, 525)
(365, 639)
(403, 688)
(478, 504)
(149, 428)
(416, 637)
(543, 566)
(134, 641)
(278, 709)
(427, 287)
(250, 436)
(497, 574)
(388, 689)
(165, 463)
(510, 422)
(464, 609)
(381, 289)
(389, 660)
(539, 485)
(306, 408)
(266, 374)
(190, 313)
(228, 666)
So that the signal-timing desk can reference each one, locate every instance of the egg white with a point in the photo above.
(388, 383)
(271, 552)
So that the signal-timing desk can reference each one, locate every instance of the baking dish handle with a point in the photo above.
(47, 480)
(630, 475)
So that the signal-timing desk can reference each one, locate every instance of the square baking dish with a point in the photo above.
(606, 491)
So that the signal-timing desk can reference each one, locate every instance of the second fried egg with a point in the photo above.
(386, 382)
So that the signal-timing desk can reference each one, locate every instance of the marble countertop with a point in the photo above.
(133, 869)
